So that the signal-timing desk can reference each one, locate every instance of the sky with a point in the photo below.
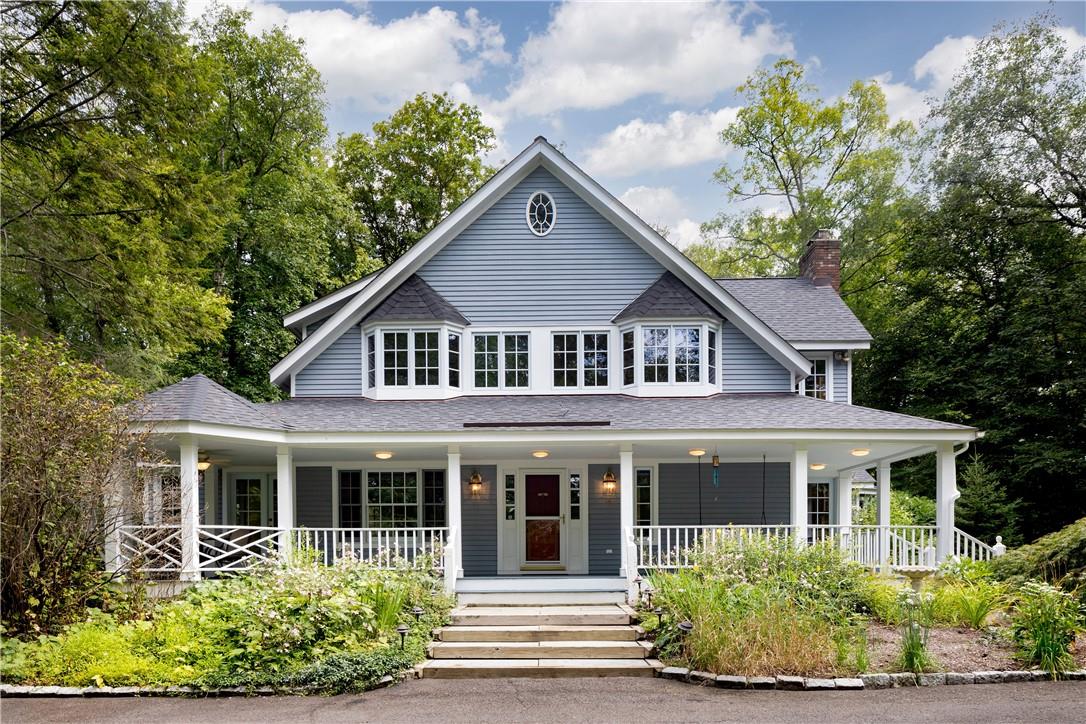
(634, 93)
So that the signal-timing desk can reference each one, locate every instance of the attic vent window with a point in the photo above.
(541, 213)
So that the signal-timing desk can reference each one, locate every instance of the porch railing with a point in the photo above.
(225, 548)
(896, 546)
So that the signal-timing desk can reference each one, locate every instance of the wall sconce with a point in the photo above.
(475, 483)
(841, 355)
(610, 483)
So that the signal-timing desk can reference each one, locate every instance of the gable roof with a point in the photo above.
(799, 310)
(416, 301)
(666, 297)
(540, 153)
(200, 399)
(328, 304)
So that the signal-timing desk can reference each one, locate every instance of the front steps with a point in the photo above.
(543, 641)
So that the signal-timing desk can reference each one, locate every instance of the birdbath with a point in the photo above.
(915, 574)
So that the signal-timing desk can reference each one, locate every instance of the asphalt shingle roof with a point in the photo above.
(666, 297)
(797, 309)
(201, 399)
(415, 300)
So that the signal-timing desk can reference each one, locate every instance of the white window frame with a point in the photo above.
(632, 331)
(639, 357)
(528, 212)
(801, 384)
(651, 469)
(578, 353)
(442, 368)
(828, 498)
(448, 334)
(501, 335)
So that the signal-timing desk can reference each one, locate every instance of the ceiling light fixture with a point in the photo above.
(860, 452)
(540, 454)
(818, 466)
(382, 455)
(697, 452)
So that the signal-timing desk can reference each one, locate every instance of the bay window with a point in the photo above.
(687, 354)
(629, 358)
(657, 356)
(454, 359)
(396, 358)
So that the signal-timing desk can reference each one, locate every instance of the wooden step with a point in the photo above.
(604, 615)
(540, 650)
(540, 598)
(535, 668)
(540, 633)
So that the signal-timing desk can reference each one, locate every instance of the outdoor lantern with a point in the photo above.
(686, 627)
(716, 461)
(475, 483)
(638, 580)
(610, 482)
(659, 614)
(417, 611)
(402, 630)
(648, 596)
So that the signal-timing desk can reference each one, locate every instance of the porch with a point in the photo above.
(543, 505)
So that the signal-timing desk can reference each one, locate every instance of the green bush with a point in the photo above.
(259, 629)
(1058, 558)
(881, 599)
(964, 603)
(905, 509)
(1045, 622)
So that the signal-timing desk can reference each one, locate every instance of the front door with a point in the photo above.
(543, 520)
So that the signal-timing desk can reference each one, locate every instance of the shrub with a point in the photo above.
(881, 598)
(353, 672)
(257, 629)
(968, 603)
(1058, 557)
(1044, 623)
(905, 509)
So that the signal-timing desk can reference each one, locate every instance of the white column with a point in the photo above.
(842, 491)
(452, 502)
(116, 515)
(284, 493)
(798, 503)
(946, 493)
(190, 510)
(883, 510)
(626, 518)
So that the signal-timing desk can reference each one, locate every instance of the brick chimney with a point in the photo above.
(821, 262)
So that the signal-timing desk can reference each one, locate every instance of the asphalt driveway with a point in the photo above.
(584, 700)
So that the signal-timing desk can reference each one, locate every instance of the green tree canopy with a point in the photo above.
(107, 213)
(806, 165)
(418, 165)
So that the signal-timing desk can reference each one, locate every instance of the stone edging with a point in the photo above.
(14, 691)
(864, 681)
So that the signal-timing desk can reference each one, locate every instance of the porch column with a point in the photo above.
(883, 510)
(842, 491)
(626, 510)
(452, 501)
(190, 510)
(799, 495)
(116, 516)
(284, 491)
(946, 493)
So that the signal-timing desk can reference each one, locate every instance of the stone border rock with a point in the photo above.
(15, 691)
(863, 681)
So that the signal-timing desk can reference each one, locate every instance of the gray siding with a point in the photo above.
(603, 525)
(840, 381)
(738, 500)
(583, 272)
(313, 497)
(749, 368)
(335, 372)
(478, 516)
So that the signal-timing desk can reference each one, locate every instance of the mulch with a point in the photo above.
(955, 649)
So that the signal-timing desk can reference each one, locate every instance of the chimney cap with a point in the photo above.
(823, 235)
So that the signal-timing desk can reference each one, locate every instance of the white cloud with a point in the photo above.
(903, 101)
(377, 65)
(939, 65)
(660, 206)
(599, 55)
(682, 140)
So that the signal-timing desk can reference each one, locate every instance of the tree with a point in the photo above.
(835, 166)
(107, 212)
(1014, 121)
(66, 447)
(418, 165)
(291, 221)
(984, 509)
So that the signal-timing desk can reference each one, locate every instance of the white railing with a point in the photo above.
(223, 548)
(966, 546)
(150, 548)
(901, 546)
(669, 546)
(383, 546)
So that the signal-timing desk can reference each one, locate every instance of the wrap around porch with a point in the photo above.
(545, 506)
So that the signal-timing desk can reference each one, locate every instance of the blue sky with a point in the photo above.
(635, 93)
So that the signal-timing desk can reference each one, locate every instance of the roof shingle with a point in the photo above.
(798, 310)
(667, 297)
(415, 300)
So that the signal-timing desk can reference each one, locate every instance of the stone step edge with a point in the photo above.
(863, 681)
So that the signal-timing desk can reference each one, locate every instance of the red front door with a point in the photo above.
(542, 519)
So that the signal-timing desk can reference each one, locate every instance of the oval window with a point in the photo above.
(541, 213)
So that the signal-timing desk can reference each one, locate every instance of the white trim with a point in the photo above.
(848, 385)
(826, 357)
(310, 312)
(539, 153)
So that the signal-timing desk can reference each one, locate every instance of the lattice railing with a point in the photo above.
(150, 548)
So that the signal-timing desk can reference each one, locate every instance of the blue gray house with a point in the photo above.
(543, 390)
